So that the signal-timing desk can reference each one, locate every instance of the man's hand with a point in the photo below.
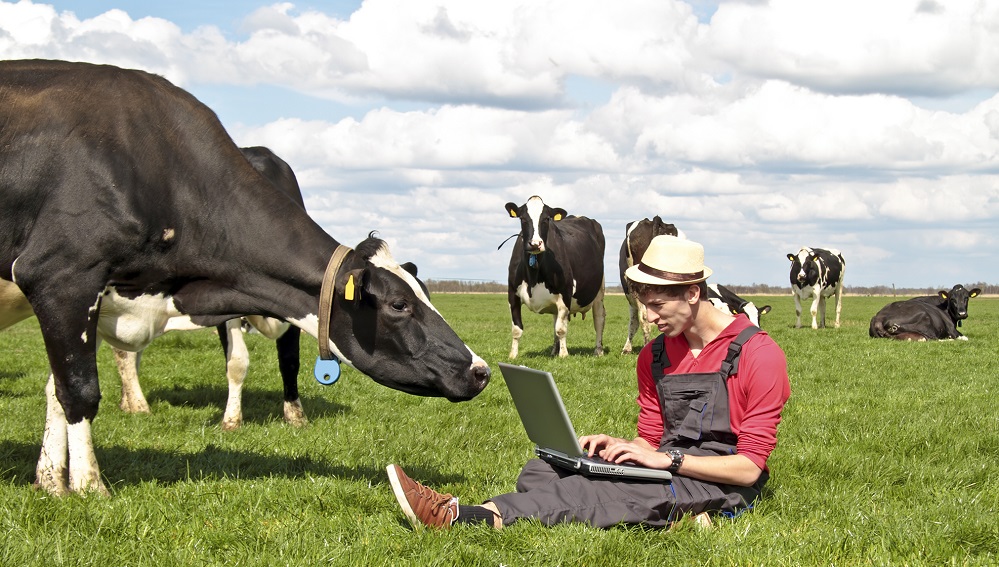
(638, 452)
(617, 450)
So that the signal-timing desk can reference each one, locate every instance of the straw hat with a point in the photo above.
(670, 261)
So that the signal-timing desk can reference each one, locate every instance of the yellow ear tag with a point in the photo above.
(513, 214)
(557, 217)
(348, 289)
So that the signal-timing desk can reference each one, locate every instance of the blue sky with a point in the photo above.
(756, 127)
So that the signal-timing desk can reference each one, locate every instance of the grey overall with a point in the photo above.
(698, 402)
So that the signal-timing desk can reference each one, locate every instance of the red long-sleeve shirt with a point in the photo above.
(756, 393)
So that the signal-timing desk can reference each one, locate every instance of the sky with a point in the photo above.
(756, 127)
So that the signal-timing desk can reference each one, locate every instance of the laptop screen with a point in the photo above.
(541, 409)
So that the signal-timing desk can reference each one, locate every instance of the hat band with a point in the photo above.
(672, 276)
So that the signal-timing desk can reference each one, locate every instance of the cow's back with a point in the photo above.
(129, 155)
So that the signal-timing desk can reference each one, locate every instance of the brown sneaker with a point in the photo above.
(422, 505)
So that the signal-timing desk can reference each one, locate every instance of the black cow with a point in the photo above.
(117, 187)
(638, 235)
(727, 301)
(557, 267)
(817, 274)
(932, 317)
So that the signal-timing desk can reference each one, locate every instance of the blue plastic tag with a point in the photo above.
(327, 372)
(532, 261)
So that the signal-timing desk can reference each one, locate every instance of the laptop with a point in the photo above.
(547, 424)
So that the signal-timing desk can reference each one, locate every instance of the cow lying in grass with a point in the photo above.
(934, 317)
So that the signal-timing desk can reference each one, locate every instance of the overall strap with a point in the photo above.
(731, 363)
(660, 362)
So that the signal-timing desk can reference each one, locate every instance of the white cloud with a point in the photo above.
(901, 47)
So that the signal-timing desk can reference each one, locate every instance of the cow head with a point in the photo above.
(536, 219)
(957, 301)
(804, 270)
(754, 313)
(384, 325)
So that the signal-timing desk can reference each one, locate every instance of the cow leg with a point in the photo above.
(62, 465)
(289, 362)
(518, 324)
(814, 310)
(52, 471)
(839, 304)
(132, 399)
(561, 329)
(287, 339)
(70, 334)
(797, 311)
(643, 319)
(632, 324)
(236, 364)
(599, 318)
(636, 318)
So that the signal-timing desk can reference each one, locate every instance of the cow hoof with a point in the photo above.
(231, 424)
(294, 414)
(626, 350)
(51, 486)
(598, 351)
(134, 407)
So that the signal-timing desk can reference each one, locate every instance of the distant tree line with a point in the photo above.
(477, 286)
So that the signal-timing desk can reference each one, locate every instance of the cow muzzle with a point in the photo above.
(476, 378)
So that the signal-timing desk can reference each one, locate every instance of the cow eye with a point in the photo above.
(399, 305)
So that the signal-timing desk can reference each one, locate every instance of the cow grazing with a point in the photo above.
(118, 188)
(933, 317)
(817, 274)
(557, 267)
(727, 301)
(638, 235)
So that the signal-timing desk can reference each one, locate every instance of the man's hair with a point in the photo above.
(673, 291)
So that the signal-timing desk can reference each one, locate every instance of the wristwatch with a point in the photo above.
(677, 460)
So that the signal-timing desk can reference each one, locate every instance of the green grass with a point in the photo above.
(886, 456)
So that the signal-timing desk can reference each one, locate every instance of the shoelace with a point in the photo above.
(441, 502)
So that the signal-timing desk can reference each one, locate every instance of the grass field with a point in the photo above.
(887, 455)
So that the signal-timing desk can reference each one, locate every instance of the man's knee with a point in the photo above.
(536, 473)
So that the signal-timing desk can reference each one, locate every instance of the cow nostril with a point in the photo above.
(481, 375)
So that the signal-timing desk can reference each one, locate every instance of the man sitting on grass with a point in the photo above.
(706, 413)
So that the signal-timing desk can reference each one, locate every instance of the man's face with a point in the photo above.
(671, 313)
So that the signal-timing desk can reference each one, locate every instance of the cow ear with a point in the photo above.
(791, 257)
(974, 292)
(512, 209)
(410, 267)
(943, 294)
(765, 309)
(559, 214)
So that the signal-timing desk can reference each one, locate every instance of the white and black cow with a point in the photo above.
(637, 236)
(727, 301)
(817, 274)
(117, 187)
(932, 317)
(557, 267)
